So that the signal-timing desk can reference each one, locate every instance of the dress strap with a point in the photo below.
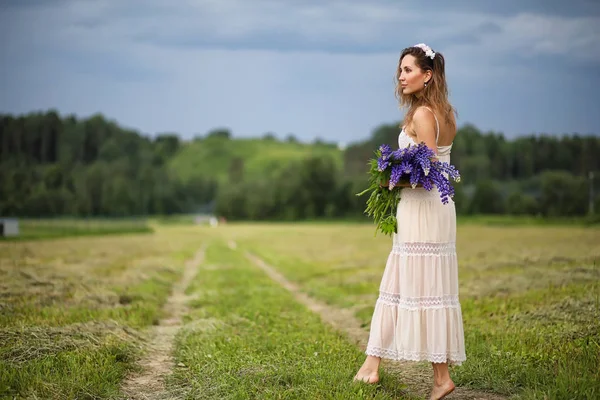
(437, 124)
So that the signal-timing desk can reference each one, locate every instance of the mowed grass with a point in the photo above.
(32, 229)
(73, 311)
(530, 296)
(247, 338)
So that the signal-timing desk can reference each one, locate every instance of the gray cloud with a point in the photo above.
(488, 28)
(15, 4)
(303, 66)
(472, 36)
(507, 8)
(335, 27)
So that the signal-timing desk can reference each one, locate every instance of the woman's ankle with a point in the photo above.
(372, 361)
(446, 381)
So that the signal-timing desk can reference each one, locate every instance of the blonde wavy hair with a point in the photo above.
(434, 95)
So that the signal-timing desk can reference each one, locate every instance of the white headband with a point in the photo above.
(428, 52)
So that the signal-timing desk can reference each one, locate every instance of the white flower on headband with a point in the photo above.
(428, 52)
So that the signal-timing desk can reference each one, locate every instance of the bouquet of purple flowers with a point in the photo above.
(392, 170)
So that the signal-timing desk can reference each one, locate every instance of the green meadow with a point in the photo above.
(76, 313)
(31, 229)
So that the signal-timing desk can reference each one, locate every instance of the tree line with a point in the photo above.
(52, 166)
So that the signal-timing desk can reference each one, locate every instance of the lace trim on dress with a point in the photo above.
(451, 357)
(424, 249)
(419, 303)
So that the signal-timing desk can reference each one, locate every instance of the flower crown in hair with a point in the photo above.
(428, 52)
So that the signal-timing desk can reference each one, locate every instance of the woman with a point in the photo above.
(417, 316)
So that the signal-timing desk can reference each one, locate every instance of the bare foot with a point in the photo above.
(369, 372)
(441, 391)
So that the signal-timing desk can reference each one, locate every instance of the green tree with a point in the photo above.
(519, 203)
(563, 194)
(487, 198)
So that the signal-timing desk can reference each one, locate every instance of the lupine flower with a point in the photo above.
(382, 164)
(385, 151)
(395, 177)
(405, 167)
(385, 154)
(413, 164)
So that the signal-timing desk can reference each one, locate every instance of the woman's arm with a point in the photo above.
(425, 128)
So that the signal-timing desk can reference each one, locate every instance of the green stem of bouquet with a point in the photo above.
(382, 202)
(381, 206)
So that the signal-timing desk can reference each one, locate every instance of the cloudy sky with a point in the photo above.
(314, 68)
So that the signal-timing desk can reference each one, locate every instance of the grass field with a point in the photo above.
(248, 338)
(31, 229)
(75, 312)
(530, 296)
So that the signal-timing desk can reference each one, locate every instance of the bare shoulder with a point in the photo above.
(424, 126)
(423, 119)
(423, 115)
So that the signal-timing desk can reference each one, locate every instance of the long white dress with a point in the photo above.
(417, 316)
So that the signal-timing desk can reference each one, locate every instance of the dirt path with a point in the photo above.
(417, 376)
(157, 364)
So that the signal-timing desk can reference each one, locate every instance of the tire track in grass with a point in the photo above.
(248, 338)
(157, 364)
(341, 319)
(417, 376)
